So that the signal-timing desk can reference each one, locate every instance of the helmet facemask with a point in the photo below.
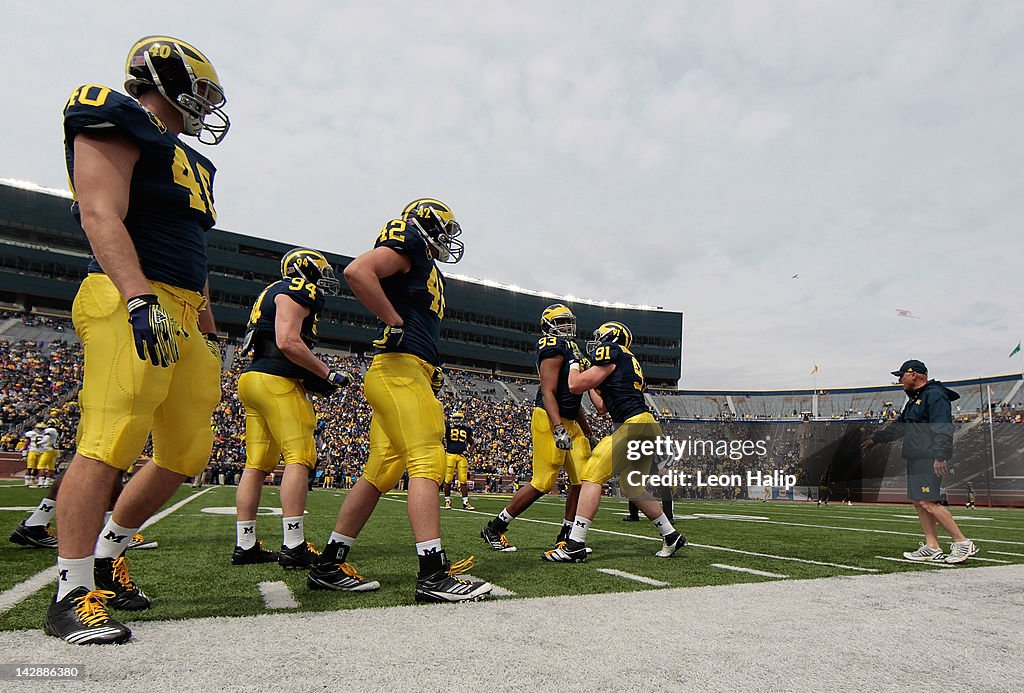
(611, 333)
(558, 321)
(196, 98)
(313, 267)
(441, 234)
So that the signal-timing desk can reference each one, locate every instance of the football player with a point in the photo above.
(398, 280)
(617, 379)
(34, 451)
(276, 389)
(559, 430)
(458, 437)
(145, 201)
(34, 531)
(48, 458)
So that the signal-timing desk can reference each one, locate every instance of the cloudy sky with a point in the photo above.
(692, 155)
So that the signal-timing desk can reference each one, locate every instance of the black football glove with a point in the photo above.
(326, 387)
(563, 441)
(154, 330)
(437, 381)
(390, 339)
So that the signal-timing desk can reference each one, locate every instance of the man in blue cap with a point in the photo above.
(926, 426)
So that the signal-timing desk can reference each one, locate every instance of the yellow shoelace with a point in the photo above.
(463, 566)
(121, 573)
(90, 608)
(311, 548)
(559, 545)
(139, 538)
(350, 570)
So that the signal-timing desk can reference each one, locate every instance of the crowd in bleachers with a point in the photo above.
(39, 382)
(35, 378)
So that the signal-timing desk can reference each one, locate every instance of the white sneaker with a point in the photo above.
(924, 554)
(668, 549)
(960, 551)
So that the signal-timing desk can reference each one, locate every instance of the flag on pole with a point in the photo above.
(816, 369)
(1015, 350)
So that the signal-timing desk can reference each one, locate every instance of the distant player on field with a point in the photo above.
(458, 437)
(276, 390)
(617, 384)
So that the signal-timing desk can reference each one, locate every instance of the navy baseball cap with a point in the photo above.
(911, 366)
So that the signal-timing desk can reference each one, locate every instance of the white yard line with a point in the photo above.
(738, 569)
(1006, 553)
(933, 564)
(276, 595)
(988, 560)
(857, 529)
(23, 590)
(710, 547)
(782, 558)
(631, 576)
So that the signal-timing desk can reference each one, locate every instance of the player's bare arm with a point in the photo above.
(548, 385)
(207, 324)
(288, 335)
(364, 274)
(597, 401)
(103, 174)
(580, 382)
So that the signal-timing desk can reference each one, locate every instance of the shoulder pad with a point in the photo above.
(547, 349)
(397, 235)
(96, 108)
(605, 354)
(302, 292)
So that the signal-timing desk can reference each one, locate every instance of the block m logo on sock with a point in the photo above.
(294, 525)
(114, 537)
(580, 524)
(248, 530)
(45, 508)
(62, 575)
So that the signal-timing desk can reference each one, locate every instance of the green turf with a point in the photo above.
(190, 575)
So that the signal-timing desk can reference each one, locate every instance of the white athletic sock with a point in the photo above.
(664, 525)
(42, 515)
(293, 534)
(342, 539)
(113, 540)
(579, 529)
(431, 546)
(245, 533)
(73, 573)
(465, 499)
(107, 515)
(505, 517)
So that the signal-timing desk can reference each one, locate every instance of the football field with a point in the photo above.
(189, 575)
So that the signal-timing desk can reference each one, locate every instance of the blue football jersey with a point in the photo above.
(261, 332)
(417, 295)
(171, 197)
(623, 390)
(551, 347)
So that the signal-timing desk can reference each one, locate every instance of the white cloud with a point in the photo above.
(688, 155)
